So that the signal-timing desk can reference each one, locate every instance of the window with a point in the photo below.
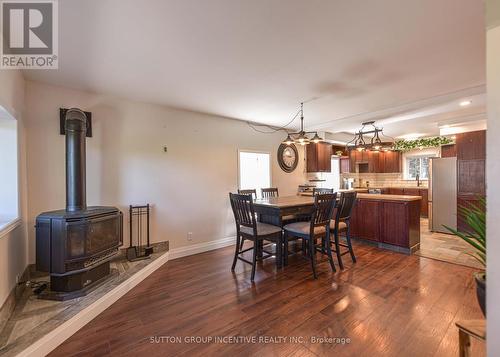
(417, 165)
(9, 198)
(254, 170)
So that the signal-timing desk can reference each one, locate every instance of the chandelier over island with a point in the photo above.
(360, 142)
(301, 137)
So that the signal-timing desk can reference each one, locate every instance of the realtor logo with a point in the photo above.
(29, 39)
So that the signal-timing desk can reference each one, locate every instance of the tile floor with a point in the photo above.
(444, 247)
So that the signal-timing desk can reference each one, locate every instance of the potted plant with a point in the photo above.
(475, 217)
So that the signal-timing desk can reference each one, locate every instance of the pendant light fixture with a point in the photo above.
(375, 143)
(301, 137)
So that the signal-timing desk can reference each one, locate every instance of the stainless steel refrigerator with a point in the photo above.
(442, 193)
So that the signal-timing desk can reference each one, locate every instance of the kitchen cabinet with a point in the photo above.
(375, 161)
(365, 220)
(392, 161)
(345, 165)
(388, 222)
(471, 145)
(471, 171)
(336, 149)
(449, 150)
(319, 157)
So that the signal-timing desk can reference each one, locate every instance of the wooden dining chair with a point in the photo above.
(270, 192)
(321, 191)
(247, 227)
(252, 192)
(342, 223)
(317, 227)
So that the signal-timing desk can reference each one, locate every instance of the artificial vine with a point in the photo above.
(407, 145)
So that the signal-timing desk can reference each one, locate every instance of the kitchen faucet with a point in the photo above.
(418, 180)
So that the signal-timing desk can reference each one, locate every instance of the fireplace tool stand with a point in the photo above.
(139, 251)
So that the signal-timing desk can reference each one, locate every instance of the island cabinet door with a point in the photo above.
(365, 220)
(394, 223)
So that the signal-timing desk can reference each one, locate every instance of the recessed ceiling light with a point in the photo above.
(465, 103)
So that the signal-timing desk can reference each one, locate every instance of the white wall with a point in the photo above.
(13, 245)
(493, 173)
(9, 202)
(188, 185)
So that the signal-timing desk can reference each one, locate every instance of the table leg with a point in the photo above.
(464, 344)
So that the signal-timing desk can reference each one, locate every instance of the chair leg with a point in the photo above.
(241, 243)
(279, 251)
(348, 238)
(312, 253)
(337, 249)
(236, 251)
(254, 259)
(285, 248)
(329, 252)
(304, 247)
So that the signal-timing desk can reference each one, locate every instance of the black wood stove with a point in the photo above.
(75, 245)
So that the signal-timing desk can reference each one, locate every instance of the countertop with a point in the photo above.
(388, 187)
(374, 196)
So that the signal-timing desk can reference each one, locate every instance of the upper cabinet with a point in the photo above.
(471, 145)
(449, 150)
(375, 161)
(319, 157)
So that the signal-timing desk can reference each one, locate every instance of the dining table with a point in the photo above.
(274, 210)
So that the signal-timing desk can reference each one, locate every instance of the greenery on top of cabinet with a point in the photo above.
(422, 143)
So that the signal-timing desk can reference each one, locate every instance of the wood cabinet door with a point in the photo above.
(374, 161)
(471, 145)
(324, 157)
(311, 158)
(465, 201)
(365, 220)
(394, 223)
(345, 165)
(449, 150)
(392, 161)
(319, 157)
(471, 177)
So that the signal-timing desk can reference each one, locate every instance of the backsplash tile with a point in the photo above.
(382, 180)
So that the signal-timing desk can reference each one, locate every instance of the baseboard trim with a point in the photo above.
(201, 247)
(49, 342)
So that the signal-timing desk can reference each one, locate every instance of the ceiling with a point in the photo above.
(406, 62)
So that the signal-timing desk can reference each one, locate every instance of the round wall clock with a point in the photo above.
(288, 157)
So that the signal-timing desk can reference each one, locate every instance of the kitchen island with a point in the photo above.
(388, 221)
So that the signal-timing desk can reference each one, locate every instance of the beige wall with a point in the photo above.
(493, 188)
(13, 245)
(188, 186)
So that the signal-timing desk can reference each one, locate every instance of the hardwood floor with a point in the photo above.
(387, 304)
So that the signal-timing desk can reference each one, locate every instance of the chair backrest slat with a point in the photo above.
(270, 192)
(242, 205)
(321, 191)
(345, 205)
(324, 206)
(252, 192)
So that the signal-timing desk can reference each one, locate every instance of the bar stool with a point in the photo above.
(317, 227)
(247, 227)
(342, 223)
